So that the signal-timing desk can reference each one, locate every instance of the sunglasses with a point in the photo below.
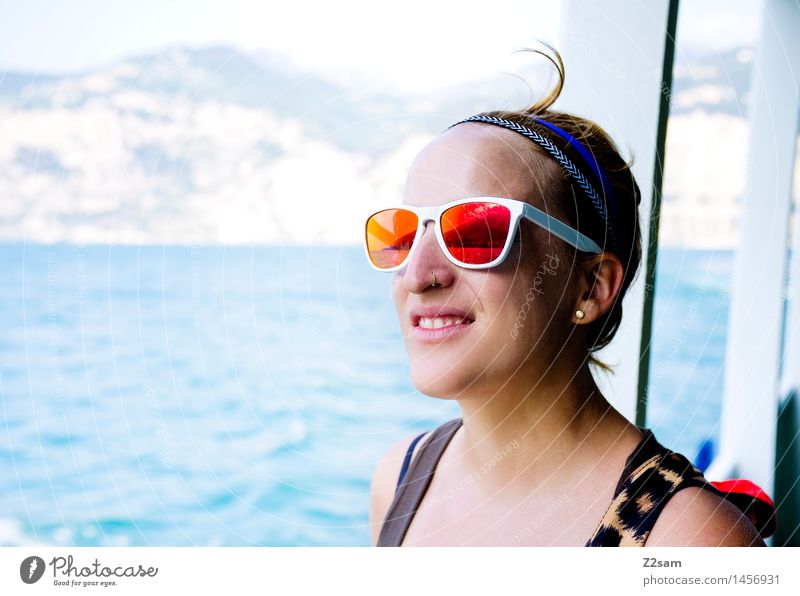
(475, 233)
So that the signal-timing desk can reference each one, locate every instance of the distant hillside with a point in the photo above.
(718, 82)
(213, 145)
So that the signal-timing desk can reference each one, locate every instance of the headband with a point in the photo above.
(566, 163)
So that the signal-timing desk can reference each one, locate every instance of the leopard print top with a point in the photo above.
(652, 474)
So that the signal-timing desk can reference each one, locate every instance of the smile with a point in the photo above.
(439, 328)
(438, 322)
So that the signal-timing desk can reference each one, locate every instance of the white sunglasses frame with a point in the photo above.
(518, 209)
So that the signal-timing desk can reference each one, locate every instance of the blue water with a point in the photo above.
(241, 396)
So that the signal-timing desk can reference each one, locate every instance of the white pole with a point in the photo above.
(752, 358)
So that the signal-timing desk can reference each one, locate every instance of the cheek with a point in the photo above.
(535, 298)
(501, 297)
(398, 296)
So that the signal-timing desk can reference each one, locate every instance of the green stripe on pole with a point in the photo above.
(655, 213)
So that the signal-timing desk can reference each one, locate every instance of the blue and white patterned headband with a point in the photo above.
(567, 164)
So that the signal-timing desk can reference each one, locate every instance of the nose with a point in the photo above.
(427, 260)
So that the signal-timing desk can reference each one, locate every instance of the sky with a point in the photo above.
(419, 44)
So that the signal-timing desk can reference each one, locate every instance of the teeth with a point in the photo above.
(437, 322)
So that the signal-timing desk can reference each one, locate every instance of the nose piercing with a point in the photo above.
(434, 284)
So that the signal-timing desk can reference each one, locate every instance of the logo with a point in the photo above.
(31, 569)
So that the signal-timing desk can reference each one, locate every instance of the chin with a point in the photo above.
(437, 381)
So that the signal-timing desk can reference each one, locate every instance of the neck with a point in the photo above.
(536, 428)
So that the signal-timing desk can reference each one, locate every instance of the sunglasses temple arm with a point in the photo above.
(560, 229)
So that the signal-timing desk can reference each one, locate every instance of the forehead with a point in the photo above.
(473, 159)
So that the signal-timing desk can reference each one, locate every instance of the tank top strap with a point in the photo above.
(652, 474)
(414, 483)
(407, 459)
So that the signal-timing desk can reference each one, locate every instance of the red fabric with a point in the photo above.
(743, 487)
(751, 499)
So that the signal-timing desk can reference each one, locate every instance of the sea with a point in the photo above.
(218, 395)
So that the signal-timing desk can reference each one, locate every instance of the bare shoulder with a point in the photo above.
(698, 517)
(384, 480)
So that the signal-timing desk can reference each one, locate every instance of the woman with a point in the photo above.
(502, 306)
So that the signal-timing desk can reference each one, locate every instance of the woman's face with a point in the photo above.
(519, 311)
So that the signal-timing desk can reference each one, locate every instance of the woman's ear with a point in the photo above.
(601, 278)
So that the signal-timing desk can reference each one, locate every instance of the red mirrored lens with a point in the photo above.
(475, 233)
(390, 234)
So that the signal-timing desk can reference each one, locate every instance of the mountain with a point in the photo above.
(717, 82)
(215, 145)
